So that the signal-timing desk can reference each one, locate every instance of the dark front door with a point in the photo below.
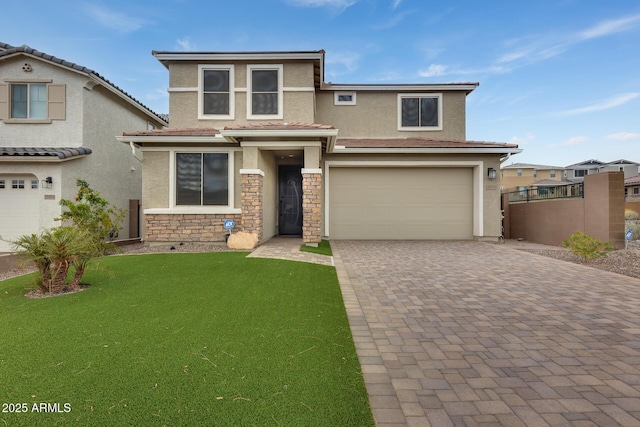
(290, 206)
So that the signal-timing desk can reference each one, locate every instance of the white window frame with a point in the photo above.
(636, 191)
(2, 184)
(438, 96)
(29, 103)
(232, 92)
(552, 173)
(186, 209)
(17, 184)
(250, 69)
(337, 101)
(519, 172)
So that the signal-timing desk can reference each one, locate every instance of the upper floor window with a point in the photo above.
(535, 173)
(420, 112)
(552, 173)
(36, 101)
(580, 172)
(29, 101)
(265, 91)
(519, 172)
(636, 190)
(216, 92)
(344, 98)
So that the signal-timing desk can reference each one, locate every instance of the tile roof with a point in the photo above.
(530, 166)
(59, 152)
(280, 126)
(175, 132)
(419, 143)
(6, 50)
(632, 180)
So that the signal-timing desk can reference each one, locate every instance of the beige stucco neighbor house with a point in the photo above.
(519, 176)
(261, 138)
(57, 123)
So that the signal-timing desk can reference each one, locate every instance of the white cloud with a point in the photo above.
(395, 4)
(607, 104)
(185, 44)
(624, 136)
(341, 63)
(575, 140)
(337, 4)
(434, 70)
(522, 140)
(611, 27)
(115, 20)
(395, 20)
(541, 47)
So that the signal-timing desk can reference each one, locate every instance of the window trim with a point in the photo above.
(636, 191)
(552, 173)
(207, 209)
(336, 101)
(438, 96)
(232, 92)
(250, 69)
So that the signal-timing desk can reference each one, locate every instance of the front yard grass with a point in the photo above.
(323, 248)
(184, 339)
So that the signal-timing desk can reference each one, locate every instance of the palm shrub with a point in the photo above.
(586, 246)
(54, 252)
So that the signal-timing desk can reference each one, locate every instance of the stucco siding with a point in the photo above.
(267, 163)
(376, 116)
(155, 176)
(58, 133)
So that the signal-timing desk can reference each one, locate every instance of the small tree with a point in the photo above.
(92, 214)
(585, 246)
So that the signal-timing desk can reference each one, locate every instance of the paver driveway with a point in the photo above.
(469, 333)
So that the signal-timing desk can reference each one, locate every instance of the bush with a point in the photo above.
(630, 215)
(585, 246)
(634, 226)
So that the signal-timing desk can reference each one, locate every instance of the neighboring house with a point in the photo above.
(632, 189)
(57, 123)
(628, 167)
(578, 171)
(261, 138)
(519, 176)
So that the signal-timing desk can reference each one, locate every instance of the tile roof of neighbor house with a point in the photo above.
(419, 143)
(551, 183)
(622, 162)
(175, 132)
(530, 166)
(7, 49)
(59, 152)
(632, 180)
(590, 162)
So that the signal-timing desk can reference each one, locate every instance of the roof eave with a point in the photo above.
(173, 139)
(448, 150)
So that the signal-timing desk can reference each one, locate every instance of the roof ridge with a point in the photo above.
(10, 50)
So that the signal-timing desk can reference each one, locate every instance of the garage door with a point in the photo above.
(400, 203)
(20, 207)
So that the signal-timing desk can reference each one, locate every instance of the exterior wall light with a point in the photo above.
(47, 182)
(492, 173)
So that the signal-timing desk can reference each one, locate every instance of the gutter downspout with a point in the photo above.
(135, 150)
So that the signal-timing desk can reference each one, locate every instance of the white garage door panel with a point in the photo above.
(19, 212)
(400, 203)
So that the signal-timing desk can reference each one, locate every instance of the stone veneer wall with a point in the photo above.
(252, 203)
(187, 227)
(311, 207)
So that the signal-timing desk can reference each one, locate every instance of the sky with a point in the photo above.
(560, 78)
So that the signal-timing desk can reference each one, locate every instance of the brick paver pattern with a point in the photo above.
(477, 334)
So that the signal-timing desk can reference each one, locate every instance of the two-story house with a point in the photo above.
(519, 176)
(57, 123)
(261, 138)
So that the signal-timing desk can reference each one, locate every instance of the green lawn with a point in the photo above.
(323, 248)
(184, 339)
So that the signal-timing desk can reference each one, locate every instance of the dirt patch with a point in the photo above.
(38, 293)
